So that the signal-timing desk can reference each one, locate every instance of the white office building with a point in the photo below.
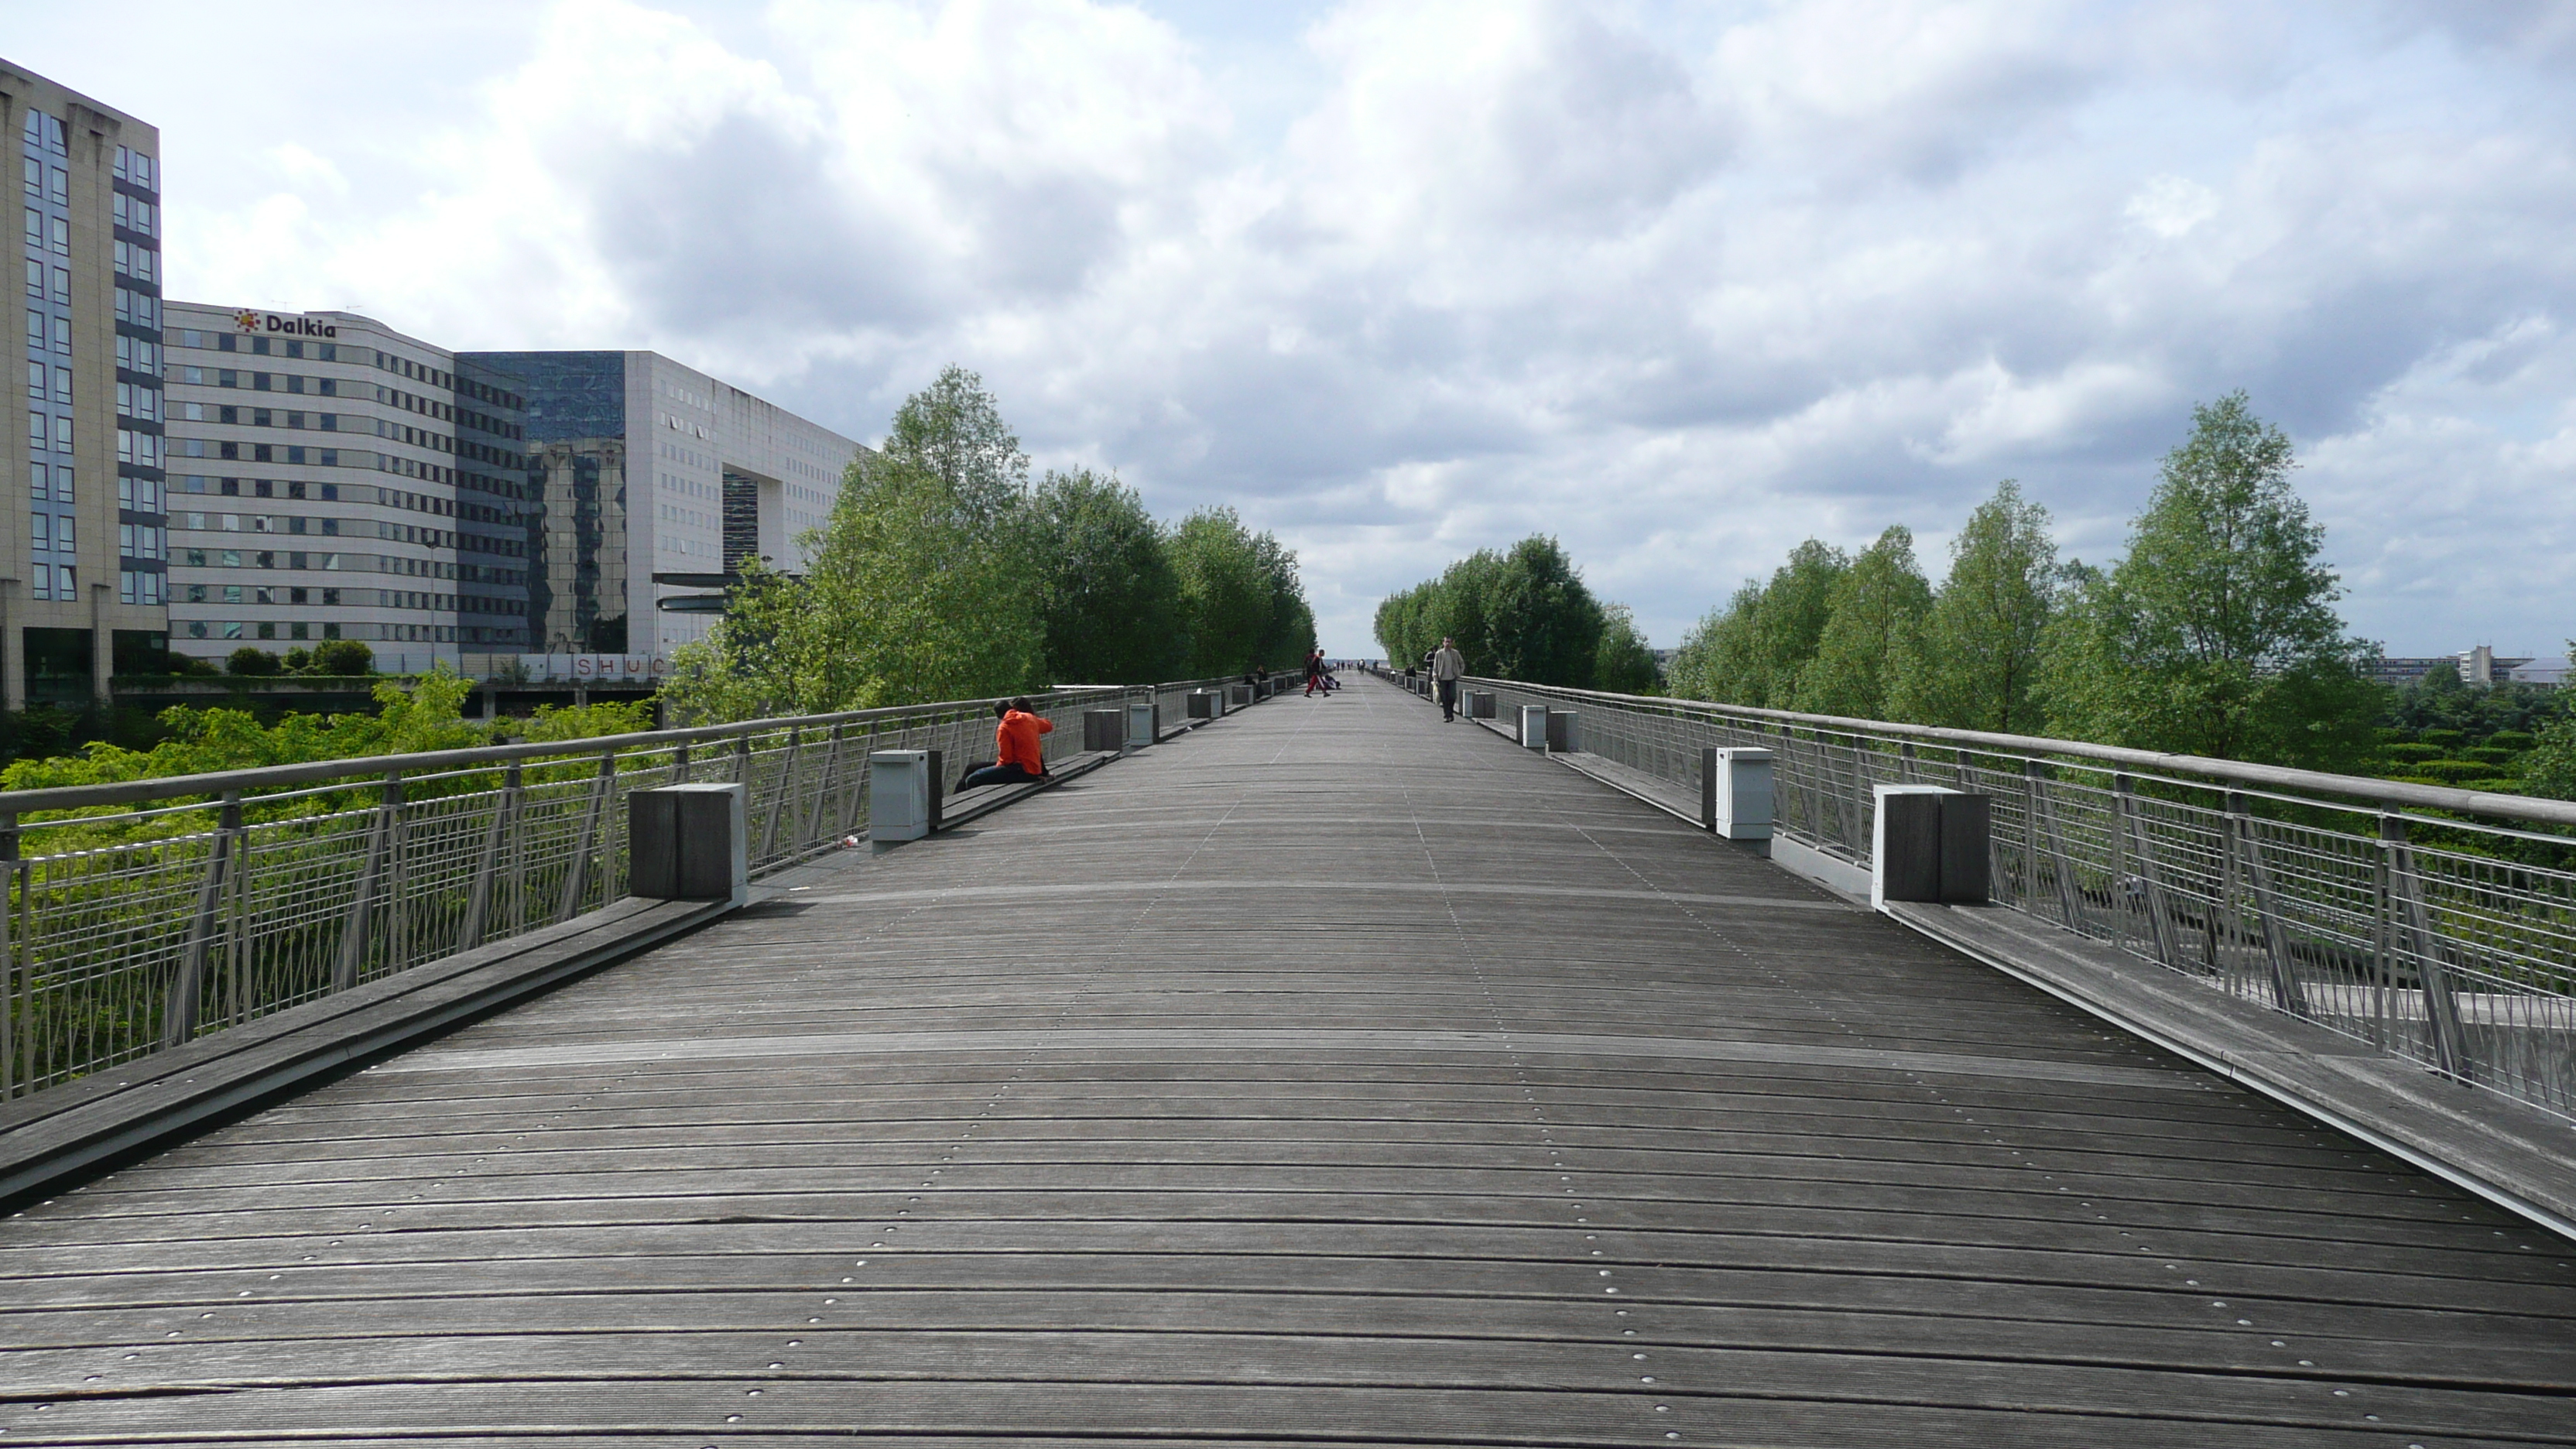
(331, 478)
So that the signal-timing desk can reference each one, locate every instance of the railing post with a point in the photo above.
(487, 870)
(2129, 831)
(186, 1004)
(577, 879)
(2432, 976)
(784, 811)
(2248, 853)
(13, 888)
(353, 927)
(2039, 813)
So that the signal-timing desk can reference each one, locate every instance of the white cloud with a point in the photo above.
(1681, 288)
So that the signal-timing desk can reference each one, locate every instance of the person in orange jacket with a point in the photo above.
(1015, 739)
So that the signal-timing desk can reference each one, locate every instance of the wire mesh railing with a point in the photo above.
(142, 914)
(2437, 925)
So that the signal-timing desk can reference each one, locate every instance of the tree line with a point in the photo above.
(1521, 614)
(2215, 634)
(942, 572)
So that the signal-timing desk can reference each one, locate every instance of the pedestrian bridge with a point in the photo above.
(1329, 1075)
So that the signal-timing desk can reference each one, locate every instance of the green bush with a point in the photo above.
(2495, 785)
(2409, 752)
(2516, 740)
(2452, 772)
(343, 657)
(2489, 754)
(189, 666)
(251, 662)
(2444, 738)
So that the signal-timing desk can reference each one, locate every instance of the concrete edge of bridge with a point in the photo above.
(84, 1127)
(2514, 1155)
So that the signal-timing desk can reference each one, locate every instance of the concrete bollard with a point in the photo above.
(689, 843)
(1564, 732)
(1238, 696)
(1533, 726)
(1735, 795)
(1203, 704)
(1144, 724)
(1929, 843)
(1480, 704)
(903, 796)
(1103, 729)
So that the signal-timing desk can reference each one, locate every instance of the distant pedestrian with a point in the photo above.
(1315, 673)
(1447, 664)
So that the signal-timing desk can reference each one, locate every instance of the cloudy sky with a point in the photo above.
(1679, 283)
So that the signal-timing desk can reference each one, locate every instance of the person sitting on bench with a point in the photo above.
(1016, 740)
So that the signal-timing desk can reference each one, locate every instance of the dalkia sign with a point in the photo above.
(249, 321)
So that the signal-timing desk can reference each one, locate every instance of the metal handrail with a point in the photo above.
(2275, 777)
(137, 915)
(2446, 940)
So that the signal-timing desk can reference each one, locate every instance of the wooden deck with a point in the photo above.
(1326, 1077)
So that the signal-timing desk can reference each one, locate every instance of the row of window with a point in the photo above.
(51, 533)
(235, 558)
(134, 213)
(142, 263)
(42, 533)
(137, 586)
(257, 381)
(36, 372)
(295, 347)
(269, 488)
(135, 166)
(259, 452)
(140, 495)
(44, 426)
(60, 293)
(45, 133)
(41, 325)
(136, 354)
(54, 581)
(53, 234)
(53, 480)
(140, 308)
(299, 596)
(140, 540)
(135, 400)
(386, 633)
(250, 417)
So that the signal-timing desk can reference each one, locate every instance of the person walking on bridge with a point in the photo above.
(1315, 673)
(1447, 664)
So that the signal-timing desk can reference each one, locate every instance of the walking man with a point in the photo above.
(1446, 665)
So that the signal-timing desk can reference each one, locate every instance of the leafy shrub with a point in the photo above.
(2489, 754)
(2495, 785)
(250, 662)
(2550, 768)
(2452, 772)
(189, 666)
(2409, 752)
(2444, 738)
(343, 657)
(2516, 740)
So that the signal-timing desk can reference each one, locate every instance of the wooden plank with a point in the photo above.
(1392, 1042)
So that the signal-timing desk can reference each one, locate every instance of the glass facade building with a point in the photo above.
(647, 481)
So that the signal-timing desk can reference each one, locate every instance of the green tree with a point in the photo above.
(1976, 660)
(1288, 631)
(1226, 594)
(1878, 606)
(953, 430)
(1624, 663)
(2217, 634)
(1753, 651)
(1544, 625)
(919, 586)
(1110, 598)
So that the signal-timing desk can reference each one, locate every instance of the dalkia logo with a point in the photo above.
(249, 321)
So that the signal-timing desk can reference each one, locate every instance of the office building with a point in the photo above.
(81, 568)
(650, 481)
(331, 478)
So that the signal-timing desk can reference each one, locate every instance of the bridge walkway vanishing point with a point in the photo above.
(1328, 1076)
